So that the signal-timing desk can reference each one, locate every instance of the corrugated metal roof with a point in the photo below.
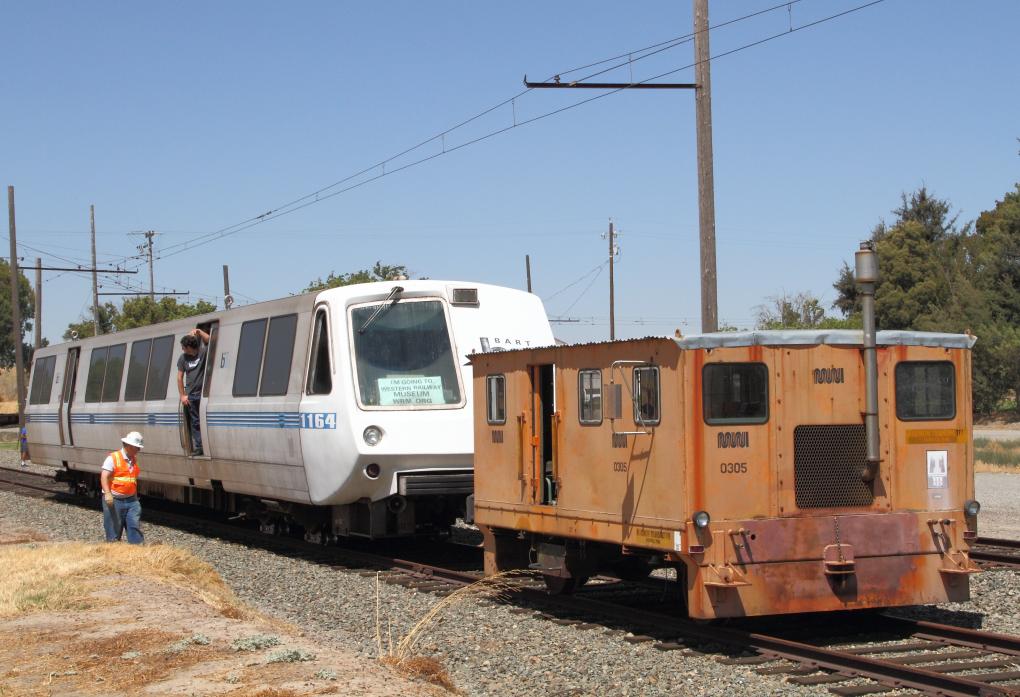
(837, 337)
(801, 337)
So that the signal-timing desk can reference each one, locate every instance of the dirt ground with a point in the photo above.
(84, 630)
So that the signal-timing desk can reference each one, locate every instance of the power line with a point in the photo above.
(321, 194)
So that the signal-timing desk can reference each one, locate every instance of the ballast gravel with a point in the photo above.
(487, 648)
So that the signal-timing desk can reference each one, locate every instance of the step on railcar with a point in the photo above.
(739, 459)
(346, 411)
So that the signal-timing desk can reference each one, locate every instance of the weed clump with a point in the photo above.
(255, 643)
(290, 656)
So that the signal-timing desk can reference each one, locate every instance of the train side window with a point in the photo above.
(159, 368)
(97, 371)
(42, 381)
(320, 375)
(495, 399)
(114, 372)
(279, 354)
(138, 366)
(646, 395)
(589, 397)
(735, 393)
(925, 391)
(249, 358)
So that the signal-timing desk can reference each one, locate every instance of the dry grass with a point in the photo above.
(263, 692)
(8, 387)
(996, 455)
(402, 657)
(60, 576)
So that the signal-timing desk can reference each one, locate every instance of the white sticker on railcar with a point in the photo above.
(678, 543)
(938, 468)
(313, 420)
(411, 389)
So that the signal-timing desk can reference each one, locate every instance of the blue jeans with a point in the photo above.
(196, 432)
(127, 514)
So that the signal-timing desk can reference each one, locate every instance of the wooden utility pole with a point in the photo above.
(612, 289)
(527, 267)
(95, 280)
(38, 303)
(152, 283)
(706, 185)
(228, 299)
(19, 360)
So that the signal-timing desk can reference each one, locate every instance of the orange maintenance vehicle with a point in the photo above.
(776, 471)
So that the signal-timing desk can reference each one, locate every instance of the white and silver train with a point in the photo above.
(346, 411)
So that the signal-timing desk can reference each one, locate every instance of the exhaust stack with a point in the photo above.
(866, 272)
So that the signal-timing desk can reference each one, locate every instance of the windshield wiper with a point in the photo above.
(397, 290)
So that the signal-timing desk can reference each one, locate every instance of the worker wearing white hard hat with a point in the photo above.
(119, 479)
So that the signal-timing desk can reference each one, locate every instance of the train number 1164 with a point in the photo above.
(318, 420)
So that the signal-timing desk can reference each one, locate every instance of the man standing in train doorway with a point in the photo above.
(190, 376)
(119, 479)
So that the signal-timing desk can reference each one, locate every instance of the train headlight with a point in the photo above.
(971, 508)
(372, 435)
(701, 519)
(372, 470)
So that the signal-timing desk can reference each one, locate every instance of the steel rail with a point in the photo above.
(851, 665)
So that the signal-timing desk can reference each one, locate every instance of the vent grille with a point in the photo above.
(465, 296)
(827, 463)
(619, 440)
(497, 436)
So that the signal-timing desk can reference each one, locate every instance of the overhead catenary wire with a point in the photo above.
(321, 194)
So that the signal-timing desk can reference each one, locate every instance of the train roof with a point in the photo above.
(836, 337)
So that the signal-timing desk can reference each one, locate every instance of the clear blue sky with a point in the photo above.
(188, 117)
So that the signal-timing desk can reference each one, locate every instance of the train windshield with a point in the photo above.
(404, 356)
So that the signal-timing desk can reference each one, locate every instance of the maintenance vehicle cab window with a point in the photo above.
(735, 393)
(589, 386)
(646, 395)
(925, 391)
(495, 399)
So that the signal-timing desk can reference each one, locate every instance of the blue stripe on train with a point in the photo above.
(220, 419)
(254, 419)
(159, 419)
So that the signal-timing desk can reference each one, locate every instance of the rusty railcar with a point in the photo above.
(741, 460)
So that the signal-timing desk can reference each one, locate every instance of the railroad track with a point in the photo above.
(915, 655)
(996, 552)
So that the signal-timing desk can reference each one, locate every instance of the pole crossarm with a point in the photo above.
(82, 269)
(187, 292)
(611, 85)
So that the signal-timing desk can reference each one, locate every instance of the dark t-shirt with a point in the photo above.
(194, 372)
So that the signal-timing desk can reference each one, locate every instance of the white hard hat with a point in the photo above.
(134, 438)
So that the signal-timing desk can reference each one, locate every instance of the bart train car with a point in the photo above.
(346, 411)
(741, 460)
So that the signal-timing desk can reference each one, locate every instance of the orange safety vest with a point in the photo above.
(125, 475)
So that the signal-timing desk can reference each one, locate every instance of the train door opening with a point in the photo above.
(67, 396)
(187, 442)
(544, 425)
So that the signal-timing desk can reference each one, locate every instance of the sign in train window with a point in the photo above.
(589, 386)
(495, 399)
(735, 393)
(404, 355)
(925, 391)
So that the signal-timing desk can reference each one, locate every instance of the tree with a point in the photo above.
(800, 311)
(26, 304)
(378, 272)
(919, 258)
(86, 326)
(140, 311)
